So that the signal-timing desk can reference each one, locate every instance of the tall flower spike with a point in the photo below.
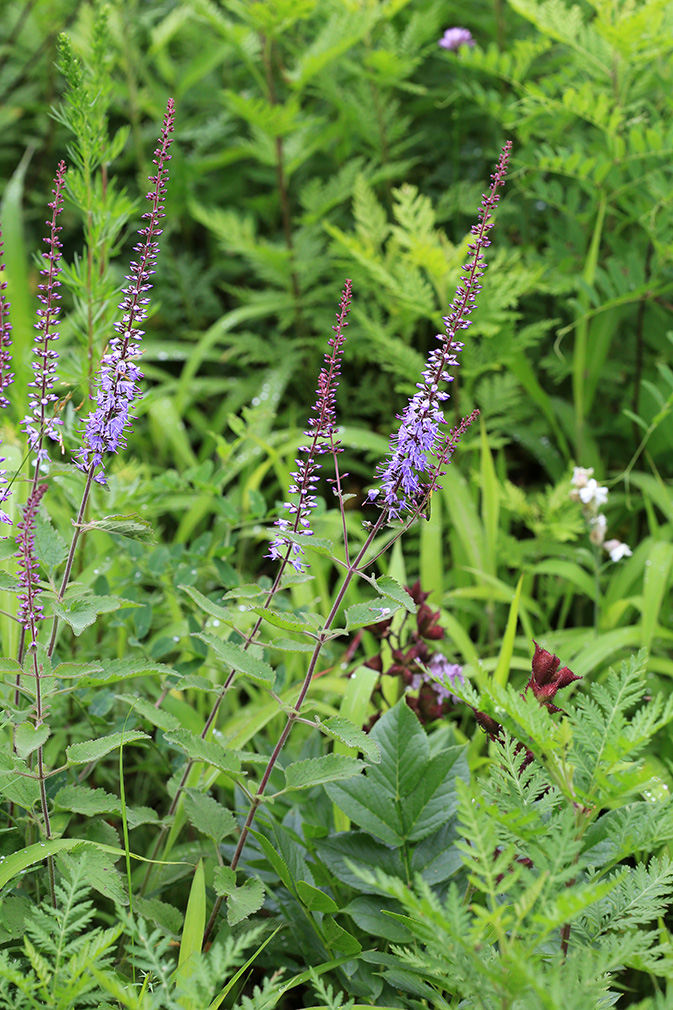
(6, 377)
(418, 437)
(38, 423)
(321, 431)
(119, 375)
(30, 609)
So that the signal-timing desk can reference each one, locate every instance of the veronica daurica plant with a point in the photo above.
(103, 435)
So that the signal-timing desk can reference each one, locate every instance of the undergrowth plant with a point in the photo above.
(195, 735)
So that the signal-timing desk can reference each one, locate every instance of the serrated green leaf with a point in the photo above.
(287, 645)
(98, 869)
(393, 590)
(360, 615)
(92, 750)
(163, 914)
(246, 592)
(156, 716)
(224, 880)
(327, 768)
(50, 547)
(319, 545)
(279, 865)
(245, 901)
(91, 802)
(240, 659)
(132, 527)
(350, 734)
(27, 738)
(209, 751)
(281, 619)
(208, 816)
(80, 614)
(8, 584)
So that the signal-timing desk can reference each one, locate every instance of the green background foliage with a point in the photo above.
(318, 140)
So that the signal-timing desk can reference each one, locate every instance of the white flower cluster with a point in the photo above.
(587, 490)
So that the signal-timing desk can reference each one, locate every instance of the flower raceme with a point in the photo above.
(37, 423)
(322, 434)
(119, 375)
(420, 437)
(6, 377)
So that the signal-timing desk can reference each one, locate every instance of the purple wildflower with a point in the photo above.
(37, 424)
(418, 437)
(6, 377)
(30, 610)
(441, 675)
(321, 431)
(454, 38)
(119, 375)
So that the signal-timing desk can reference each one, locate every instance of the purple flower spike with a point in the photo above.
(37, 424)
(454, 38)
(30, 610)
(119, 375)
(419, 438)
(6, 377)
(322, 433)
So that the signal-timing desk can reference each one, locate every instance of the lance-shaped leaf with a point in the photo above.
(92, 750)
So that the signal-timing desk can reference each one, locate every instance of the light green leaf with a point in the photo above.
(315, 899)
(208, 816)
(328, 768)
(82, 613)
(209, 751)
(209, 606)
(284, 620)
(131, 526)
(240, 659)
(91, 802)
(351, 735)
(27, 738)
(360, 615)
(192, 931)
(92, 750)
(241, 901)
(392, 589)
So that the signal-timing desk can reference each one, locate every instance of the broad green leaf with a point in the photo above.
(92, 750)
(317, 544)
(8, 583)
(27, 738)
(327, 768)
(367, 912)
(337, 938)
(437, 857)
(354, 737)
(392, 589)
(240, 659)
(315, 899)
(360, 615)
(80, 614)
(209, 751)
(208, 816)
(246, 592)
(344, 852)
(408, 795)
(192, 932)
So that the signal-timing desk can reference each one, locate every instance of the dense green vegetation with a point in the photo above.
(348, 792)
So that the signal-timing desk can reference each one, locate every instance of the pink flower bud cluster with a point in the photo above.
(322, 434)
